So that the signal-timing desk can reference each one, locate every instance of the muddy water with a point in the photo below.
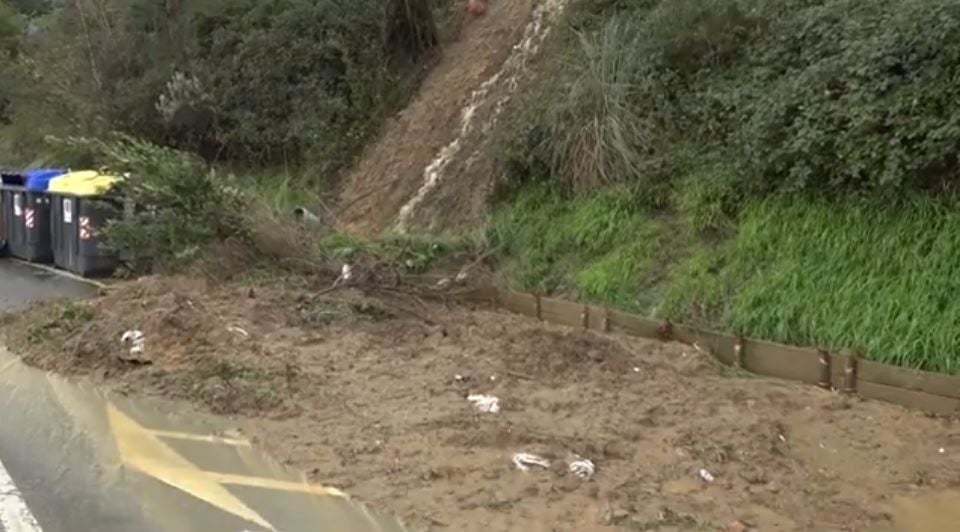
(936, 512)
(86, 460)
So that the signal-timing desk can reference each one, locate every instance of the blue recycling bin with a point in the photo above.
(25, 209)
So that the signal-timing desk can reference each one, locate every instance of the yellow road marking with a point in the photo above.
(275, 484)
(220, 440)
(142, 450)
(6, 366)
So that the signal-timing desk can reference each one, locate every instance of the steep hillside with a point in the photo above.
(401, 179)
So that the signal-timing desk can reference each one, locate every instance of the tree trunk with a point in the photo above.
(410, 27)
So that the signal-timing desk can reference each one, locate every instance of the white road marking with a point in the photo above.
(14, 514)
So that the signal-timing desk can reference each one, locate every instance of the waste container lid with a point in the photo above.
(15, 179)
(39, 179)
(83, 183)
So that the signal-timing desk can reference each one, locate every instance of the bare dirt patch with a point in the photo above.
(370, 395)
(391, 169)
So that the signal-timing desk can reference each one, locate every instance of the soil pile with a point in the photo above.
(370, 395)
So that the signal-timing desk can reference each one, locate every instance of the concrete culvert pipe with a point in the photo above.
(305, 216)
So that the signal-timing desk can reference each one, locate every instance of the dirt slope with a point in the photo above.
(370, 396)
(391, 170)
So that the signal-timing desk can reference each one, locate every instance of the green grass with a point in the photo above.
(879, 277)
(414, 254)
(603, 247)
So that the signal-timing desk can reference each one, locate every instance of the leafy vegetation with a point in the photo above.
(831, 96)
(282, 83)
(742, 164)
(181, 206)
(876, 276)
(601, 247)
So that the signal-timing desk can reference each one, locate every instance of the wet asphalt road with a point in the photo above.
(21, 284)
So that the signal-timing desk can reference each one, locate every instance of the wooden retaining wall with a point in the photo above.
(930, 392)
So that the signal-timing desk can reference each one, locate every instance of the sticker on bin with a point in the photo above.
(85, 231)
(18, 205)
(68, 211)
(29, 218)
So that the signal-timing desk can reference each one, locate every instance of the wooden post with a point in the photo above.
(665, 331)
(539, 311)
(585, 316)
(606, 319)
(850, 375)
(738, 355)
(826, 377)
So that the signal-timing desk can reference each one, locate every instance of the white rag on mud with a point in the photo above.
(583, 468)
(524, 461)
(135, 340)
(487, 404)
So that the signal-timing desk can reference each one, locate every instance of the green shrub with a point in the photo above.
(273, 82)
(856, 95)
(823, 95)
(182, 206)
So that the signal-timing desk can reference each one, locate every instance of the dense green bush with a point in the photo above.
(269, 82)
(823, 95)
(181, 206)
(858, 95)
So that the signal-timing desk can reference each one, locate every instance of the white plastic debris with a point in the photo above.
(706, 476)
(443, 283)
(346, 272)
(462, 276)
(237, 330)
(135, 340)
(636, 369)
(941, 450)
(583, 468)
(487, 404)
(524, 461)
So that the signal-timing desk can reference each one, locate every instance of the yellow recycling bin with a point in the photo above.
(79, 209)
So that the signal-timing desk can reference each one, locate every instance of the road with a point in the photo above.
(74, 459)
(20, 284)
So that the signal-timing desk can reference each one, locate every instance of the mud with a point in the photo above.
(391, 170)
(370, 396)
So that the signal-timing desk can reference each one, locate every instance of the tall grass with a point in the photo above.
(600, 247)
(598, 135)
(876, 277)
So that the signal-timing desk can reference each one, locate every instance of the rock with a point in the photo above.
(612, 515)
(680, 487)
(736, 526)
(477, 8)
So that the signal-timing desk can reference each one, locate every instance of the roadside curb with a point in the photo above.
(60, 273)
